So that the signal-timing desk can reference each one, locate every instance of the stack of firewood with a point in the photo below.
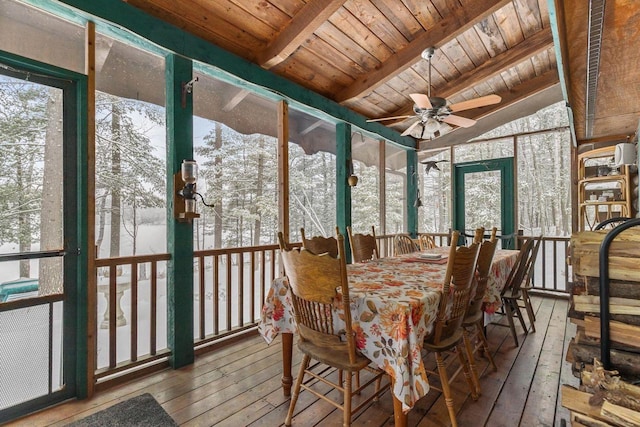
(624, 301)
(603, 399)
(602, 393)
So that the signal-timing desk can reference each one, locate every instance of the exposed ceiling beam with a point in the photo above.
(529, 47)
(450, 27)
(509, 99)
(300, 28)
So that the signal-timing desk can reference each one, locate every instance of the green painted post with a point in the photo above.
(179, 234)
(343, 191)
(412, 192)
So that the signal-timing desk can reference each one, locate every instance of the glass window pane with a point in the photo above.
(482, 200)
(235, 144)
(130, 151)
(31, 169)
(29, 32)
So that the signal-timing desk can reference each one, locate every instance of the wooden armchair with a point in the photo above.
(403, 244)
(314, 281)
(364, 247)
(320, 244)
(448, 333)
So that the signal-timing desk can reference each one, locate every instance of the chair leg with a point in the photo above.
(472, 362)
(446, 390)
(518, 313)
(509, 311)
(346, 406)
(484, 344)
(296, 390)
(525, 294)
(529, 308)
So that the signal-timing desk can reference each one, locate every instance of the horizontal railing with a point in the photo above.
(552, 273)
(230, 286)
(132, 309)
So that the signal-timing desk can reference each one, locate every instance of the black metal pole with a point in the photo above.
(605, 347)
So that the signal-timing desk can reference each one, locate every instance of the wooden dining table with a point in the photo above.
(394, 302)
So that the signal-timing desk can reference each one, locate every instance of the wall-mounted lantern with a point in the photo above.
(184, 204)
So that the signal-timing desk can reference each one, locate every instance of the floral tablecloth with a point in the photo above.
(393, 304)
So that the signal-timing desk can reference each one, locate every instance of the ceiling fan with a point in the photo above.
(434, 114)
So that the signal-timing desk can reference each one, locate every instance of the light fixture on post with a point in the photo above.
(418, 202)
(187, 88)
(352, 180)
(184, 204)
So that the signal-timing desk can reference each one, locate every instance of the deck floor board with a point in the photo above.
(239, 385)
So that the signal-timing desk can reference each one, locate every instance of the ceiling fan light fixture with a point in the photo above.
(431, 125)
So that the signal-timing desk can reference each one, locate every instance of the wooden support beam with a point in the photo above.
(454, 24)
(92, 289)
(283, 169)
(531, 46)
(300, 28)
(179, 234)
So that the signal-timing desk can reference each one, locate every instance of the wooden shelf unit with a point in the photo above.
(603, 193)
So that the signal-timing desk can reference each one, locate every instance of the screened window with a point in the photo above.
(235, 144)
(130, 151)
(312, 175)
(365, 197)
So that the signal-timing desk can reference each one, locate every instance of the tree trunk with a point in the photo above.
(259, 184)
(114, 244)
(51, 215)
(217, 183)
(101, 223)
(24, 234)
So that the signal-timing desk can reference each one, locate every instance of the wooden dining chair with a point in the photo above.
(447, 332)
(315, 281)
(426, 241)
(473, 322)
(364, 247)
(404, 244)
(518, 292)
(511, 293)
(320, 244)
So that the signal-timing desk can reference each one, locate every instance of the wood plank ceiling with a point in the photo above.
(607, 111)
(366, 54)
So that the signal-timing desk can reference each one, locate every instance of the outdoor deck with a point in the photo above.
(239, 385)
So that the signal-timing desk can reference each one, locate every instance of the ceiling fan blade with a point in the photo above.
(463, 122)
(421, 100)
(410, 128)
(475, 103)
(388, 118)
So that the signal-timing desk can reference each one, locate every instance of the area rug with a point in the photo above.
(139, 411)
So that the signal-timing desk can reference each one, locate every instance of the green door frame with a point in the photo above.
(507, 193)
(75, 224)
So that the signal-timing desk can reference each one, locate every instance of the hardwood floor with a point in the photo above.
(239, 385)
